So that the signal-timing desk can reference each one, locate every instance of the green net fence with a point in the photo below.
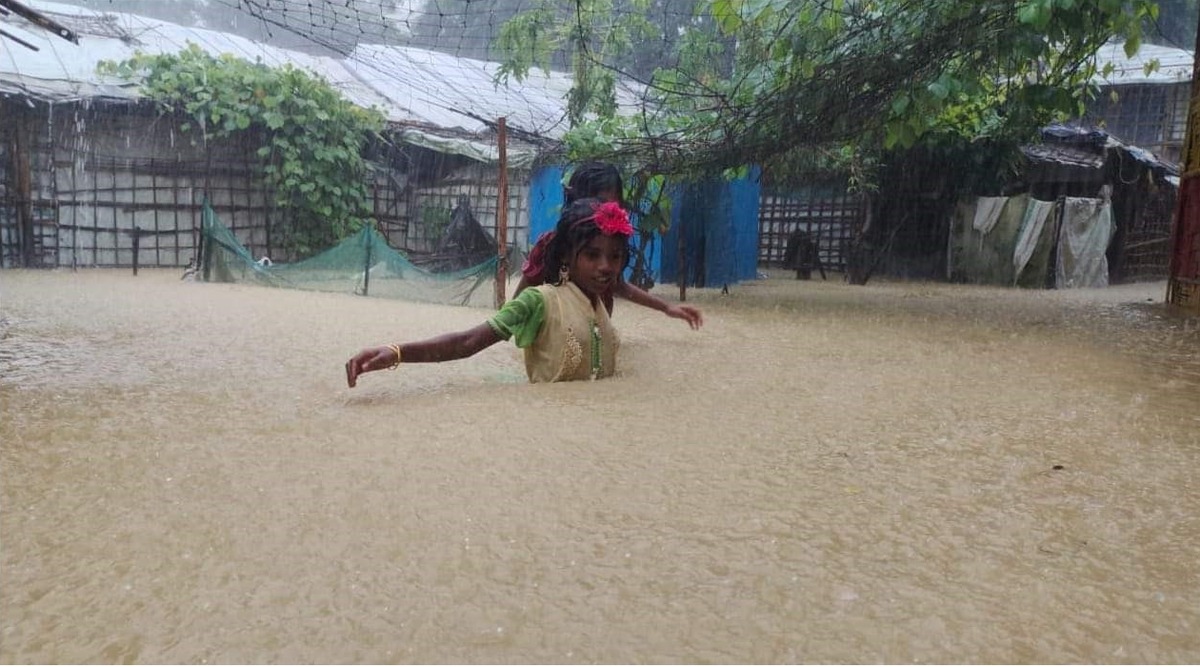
(362, 264)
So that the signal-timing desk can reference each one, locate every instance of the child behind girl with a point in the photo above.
(602, 181)
(561, 324)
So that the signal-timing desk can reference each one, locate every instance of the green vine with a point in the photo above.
(434, 221)
(309, 139)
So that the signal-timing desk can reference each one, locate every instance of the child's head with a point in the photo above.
(594, 179)
(592, 242)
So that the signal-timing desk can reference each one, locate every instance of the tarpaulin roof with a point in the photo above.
(435, 100)
(446, 91)
(1087, 147)
(61, 72)
(1172, 65)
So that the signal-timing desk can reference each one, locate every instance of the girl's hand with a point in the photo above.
(371, 359)
(692, 316)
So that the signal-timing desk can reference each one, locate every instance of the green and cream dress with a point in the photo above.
(564, 335)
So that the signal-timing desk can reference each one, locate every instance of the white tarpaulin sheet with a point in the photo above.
(1087, 228)
(1032, 224)
(987, 213)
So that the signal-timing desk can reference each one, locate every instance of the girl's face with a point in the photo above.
(597, 265)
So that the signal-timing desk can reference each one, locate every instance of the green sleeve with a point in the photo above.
(521, 318)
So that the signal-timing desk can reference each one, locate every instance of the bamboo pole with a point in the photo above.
(137, 246)
(502, 215)
(367, 265)
(682, 250)
(23, 179)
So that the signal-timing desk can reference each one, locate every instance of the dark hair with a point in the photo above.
(570, 236)
(590, 179)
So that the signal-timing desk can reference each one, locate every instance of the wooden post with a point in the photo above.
(95, 206)
(116, 222)
(194, 260)
(137, 246)
(75, 200)
(201, 245)
(367, 266)
(502, 216)
(206, 215)
(22, 132)
(205, 242)
(683, 269)
(154, 194)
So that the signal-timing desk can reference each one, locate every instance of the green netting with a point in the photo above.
(344, 269)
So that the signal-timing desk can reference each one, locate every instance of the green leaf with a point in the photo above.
(274, 120)
(891, 138)
(1132, 45)
(727, 16)
(1028, 13)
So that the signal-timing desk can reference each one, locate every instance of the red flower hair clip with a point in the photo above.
(612, 219)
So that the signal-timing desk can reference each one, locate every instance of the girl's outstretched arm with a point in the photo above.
(446, 347)
(692, 316)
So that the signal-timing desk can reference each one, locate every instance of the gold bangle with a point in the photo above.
(396, 349)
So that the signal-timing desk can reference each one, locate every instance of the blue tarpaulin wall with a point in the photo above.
(719, 219)
(545, 200)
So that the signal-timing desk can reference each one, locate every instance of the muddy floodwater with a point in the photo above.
(895, 473)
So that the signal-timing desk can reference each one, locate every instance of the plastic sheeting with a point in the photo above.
(987, 213)
(1031, 243)
(1172, 65)
(488, 153)
(1086, 230)
(988, 258)
(445, 91)
(444, 103)
(1033, 223)
(719, 220)
(545, 200)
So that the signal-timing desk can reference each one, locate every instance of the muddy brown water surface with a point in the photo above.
(893, 473)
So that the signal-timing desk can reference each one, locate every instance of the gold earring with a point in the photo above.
(563, 274)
